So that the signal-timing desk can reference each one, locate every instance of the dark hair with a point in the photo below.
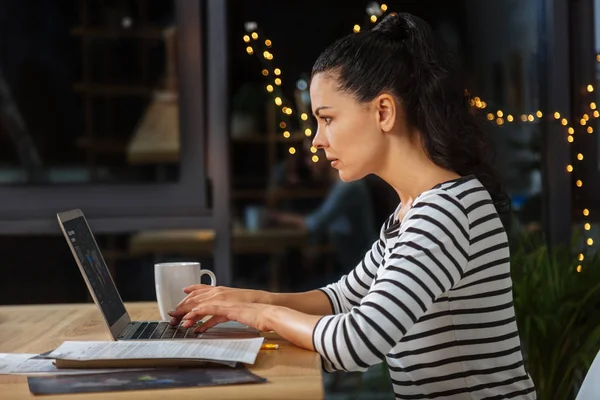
(401, 56)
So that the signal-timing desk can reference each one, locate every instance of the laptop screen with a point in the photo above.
(95, 269)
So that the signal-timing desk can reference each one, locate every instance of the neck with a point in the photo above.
(410, 171)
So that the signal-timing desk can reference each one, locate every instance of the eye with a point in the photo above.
(327, 120)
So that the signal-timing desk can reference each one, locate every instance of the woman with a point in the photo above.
(433, 296)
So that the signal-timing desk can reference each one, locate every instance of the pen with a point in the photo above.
(269, 346)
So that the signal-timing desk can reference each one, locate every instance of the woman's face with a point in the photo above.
(348, 131)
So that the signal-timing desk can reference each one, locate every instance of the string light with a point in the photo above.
(477, 102)
(292, 150)
(579, 268)
(268, 43)
(308, 132)
(373, 18)
(356, 28)
(303, 116)
(265, 72)
(254, 35)
(315, 158)
(249, 50)
(313, 149)
(282, 125)
(581, 257)
(278, 101)
(384, 7)
(278, 81)
(246, 38)
(277, 71)
(286, 134)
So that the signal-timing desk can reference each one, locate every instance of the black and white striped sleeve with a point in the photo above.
(428, 259)
(350, 289)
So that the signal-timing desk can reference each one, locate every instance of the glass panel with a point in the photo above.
(88, 92)
(499, 43)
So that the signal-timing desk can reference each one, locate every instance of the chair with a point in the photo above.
(590, 389)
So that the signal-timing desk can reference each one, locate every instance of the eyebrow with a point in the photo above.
(321, 108)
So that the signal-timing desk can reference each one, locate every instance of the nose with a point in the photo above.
(319, 141)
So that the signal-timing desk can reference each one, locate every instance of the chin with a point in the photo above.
(348, 176)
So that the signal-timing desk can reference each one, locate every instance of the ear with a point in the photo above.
(386, 110)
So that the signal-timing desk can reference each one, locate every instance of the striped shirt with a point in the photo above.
(433, 297)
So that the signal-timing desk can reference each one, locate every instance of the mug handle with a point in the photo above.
(213, 278)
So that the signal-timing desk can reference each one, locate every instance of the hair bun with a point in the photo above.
(396, 26)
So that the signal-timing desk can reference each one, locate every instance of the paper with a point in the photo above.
(27, 364)
(235, 350)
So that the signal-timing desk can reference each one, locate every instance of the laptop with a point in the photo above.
(106, 296)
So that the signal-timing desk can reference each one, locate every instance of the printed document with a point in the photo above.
(234, 350)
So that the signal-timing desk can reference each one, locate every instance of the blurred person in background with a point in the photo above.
(344, 219)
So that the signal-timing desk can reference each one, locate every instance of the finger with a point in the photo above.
(191, 318)
(214, 309)
(187, 304)
(199, 286)
(211, 323)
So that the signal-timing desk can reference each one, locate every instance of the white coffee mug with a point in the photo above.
(171, 278)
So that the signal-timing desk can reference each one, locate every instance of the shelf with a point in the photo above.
(103, 32)
(112, 89)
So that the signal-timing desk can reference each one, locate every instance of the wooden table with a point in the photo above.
(292, 373)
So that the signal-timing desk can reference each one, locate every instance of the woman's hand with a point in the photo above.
(292, 325)
(200, 294)
(254, 315)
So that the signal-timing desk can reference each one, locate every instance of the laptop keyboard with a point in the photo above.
(163, 330)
